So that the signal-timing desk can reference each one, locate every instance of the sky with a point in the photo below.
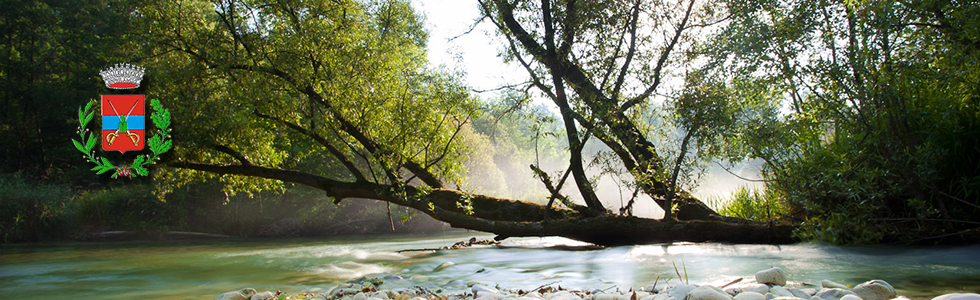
(477, 54)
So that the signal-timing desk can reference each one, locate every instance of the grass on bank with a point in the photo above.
(749, 203)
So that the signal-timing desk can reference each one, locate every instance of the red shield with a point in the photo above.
(123, 122)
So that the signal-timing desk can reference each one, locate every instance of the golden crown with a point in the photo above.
(122, 76)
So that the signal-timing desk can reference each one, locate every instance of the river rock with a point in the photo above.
(315, 291)
(833, 294)
(750, 296)
(774, 276)
(969, 296)
(604, 296)
(850, 297)
(483, 289)
(832, 285)
(563, 295)
(762, 289)
(780, 291)
(707, 292)
(798, 293)
(242, 294)
(267, 295)
(875, 290)
(677, 292)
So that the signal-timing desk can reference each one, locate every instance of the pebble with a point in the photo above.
(780, 291)
(832, 285)
(267, 295)
(243, 294)
(875, 290)
(798, 293)
(750, 296)
(563, 295)
(969, 296)
(833, 294)
(482, 289)
(774, 276)
(768, 287)
(707, 292)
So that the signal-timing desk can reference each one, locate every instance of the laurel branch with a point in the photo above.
(159, 144)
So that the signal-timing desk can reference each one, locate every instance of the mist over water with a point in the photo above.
(201, 270)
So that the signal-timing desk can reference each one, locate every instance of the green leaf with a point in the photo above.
(88, 107)
(91, 142)
(79, 146)
(88, 119)
(165, 147)
(106, 163)
(138, 165)
(154, 143)
(102, 169)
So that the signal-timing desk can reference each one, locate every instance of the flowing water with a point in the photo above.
(203, 269)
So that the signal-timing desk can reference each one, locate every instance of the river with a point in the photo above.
(203, 269)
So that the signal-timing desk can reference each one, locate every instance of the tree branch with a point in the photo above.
(238, 156)
(322, 141)
(661, 62)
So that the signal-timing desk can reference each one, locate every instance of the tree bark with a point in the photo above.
(515, 218)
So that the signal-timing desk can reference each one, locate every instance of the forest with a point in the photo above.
(321, 117)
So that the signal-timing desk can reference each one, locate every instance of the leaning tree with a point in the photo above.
(337, 95)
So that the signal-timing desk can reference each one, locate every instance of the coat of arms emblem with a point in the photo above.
(124, 124)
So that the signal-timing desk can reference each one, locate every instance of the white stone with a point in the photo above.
(786, 298)
(707, 292)
(489, 296)
(968, 296)
(563, 295)
(267, 295)
(483, 289)
(750, 296)
(762, 289)
(605, 296)
(780, 291)
(380, 295)
(243, 294)
(680, 291)
(648, 297)
(360, 296)
(799, 293)
(774, 276)
(757, 287)
(833, 294)
(832, 285)
(875, 290)
(850, 297)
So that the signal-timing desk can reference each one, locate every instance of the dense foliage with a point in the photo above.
(878, 141)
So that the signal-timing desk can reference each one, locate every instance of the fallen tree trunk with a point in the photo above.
(515, 218)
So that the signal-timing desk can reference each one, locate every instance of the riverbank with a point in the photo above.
(769, 284)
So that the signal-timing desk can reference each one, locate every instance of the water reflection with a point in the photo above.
(175, 270)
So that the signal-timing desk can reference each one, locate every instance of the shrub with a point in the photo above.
(33, 212)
